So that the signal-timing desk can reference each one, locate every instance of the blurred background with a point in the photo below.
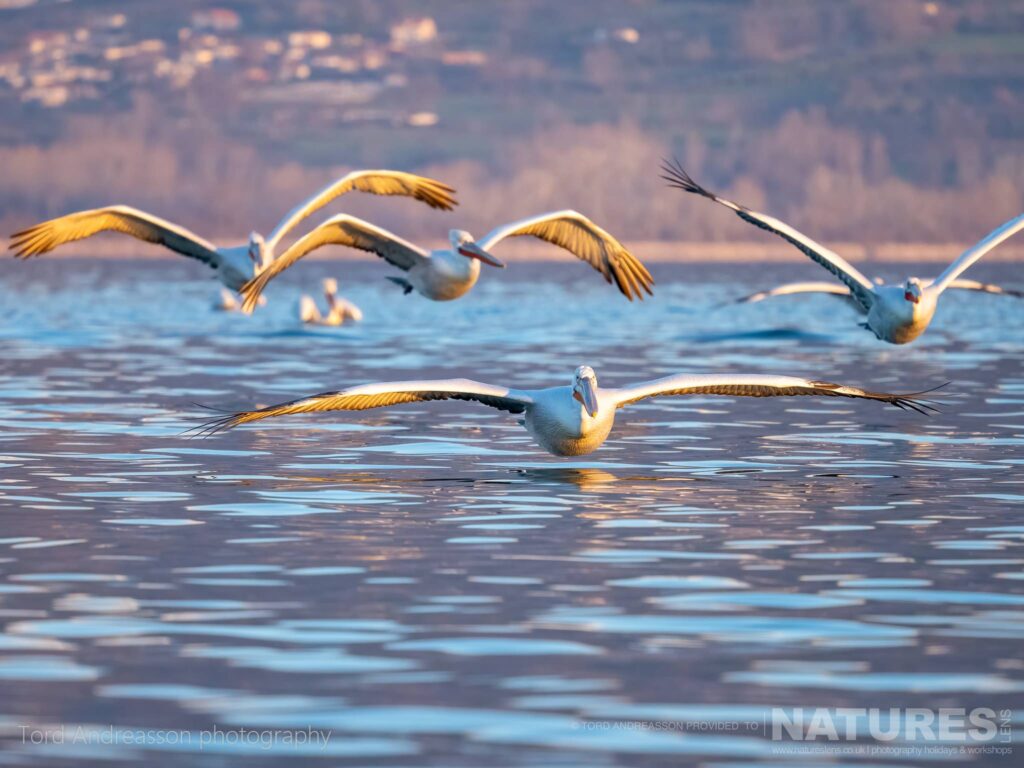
(869, 121)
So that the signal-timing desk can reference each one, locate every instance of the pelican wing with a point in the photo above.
(860, 287)
(433, 193)
(974, 285)
(584, 239)
(339, 230)
(46, 236)
(760, 386)
(972, 254)
(790, 288)
(381, 396)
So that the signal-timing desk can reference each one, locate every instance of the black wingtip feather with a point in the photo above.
(211, 428)
(916, 402)
(677, 178)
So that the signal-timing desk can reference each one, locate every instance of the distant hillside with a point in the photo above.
(859, 120)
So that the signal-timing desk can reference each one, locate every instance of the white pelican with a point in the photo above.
(894, 313)
(566, 421)
(237, 264)
(338, 310)
(448, 273)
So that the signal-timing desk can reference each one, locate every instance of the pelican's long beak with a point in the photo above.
(474, 251)
(585, 394)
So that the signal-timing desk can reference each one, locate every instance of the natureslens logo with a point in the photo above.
(946, 725)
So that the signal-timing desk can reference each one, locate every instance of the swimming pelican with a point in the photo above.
(338, 310)
(446, 274)
(565, 421)
(237, 264)
(894, 313)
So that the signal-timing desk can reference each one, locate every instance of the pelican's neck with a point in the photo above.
(260, 254)
(577, 414)
(897, 320)
(923, 308)
(457, 265)
(561, 425)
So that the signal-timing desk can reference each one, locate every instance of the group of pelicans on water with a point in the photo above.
(566, 421)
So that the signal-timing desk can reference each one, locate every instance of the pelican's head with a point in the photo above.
(464, 245)
(257, 248)
(912, 290)
(584, 388)
(330, 286)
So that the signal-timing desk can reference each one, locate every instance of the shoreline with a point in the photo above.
(655, 252)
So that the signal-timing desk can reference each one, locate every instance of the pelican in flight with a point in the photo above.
(338, 310)
(896, 313)
(234, 265)
(448, 273)
(565, 421)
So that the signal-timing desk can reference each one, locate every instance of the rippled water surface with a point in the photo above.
(426, 587)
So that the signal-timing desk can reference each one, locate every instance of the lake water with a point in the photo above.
(423, 586)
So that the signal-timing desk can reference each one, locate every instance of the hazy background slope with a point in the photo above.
(857, 120)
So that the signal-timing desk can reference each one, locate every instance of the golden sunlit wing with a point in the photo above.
(434, 193)
(584, 239)
(382, 395)
(861, 289)
(340, 230)
(48, 235)
(754, 385)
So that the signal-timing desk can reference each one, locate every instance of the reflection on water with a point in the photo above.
(430, 588)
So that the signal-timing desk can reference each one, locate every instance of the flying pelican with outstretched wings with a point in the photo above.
(565, 421)
(897, 313)
(234, 265)
(448, 273)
